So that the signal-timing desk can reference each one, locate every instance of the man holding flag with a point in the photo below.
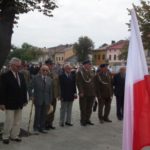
(136, 127)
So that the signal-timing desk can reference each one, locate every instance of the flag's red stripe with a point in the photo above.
(141, 136)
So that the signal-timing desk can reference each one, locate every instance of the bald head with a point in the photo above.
(44, 70)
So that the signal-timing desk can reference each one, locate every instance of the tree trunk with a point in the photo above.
(6, 28)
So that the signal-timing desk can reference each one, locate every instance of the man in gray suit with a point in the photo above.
(42, 85)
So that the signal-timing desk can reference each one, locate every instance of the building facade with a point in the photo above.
(99, 56)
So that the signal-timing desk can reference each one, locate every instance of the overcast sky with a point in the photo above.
(100, 20)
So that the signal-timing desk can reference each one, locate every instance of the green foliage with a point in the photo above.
(124, 52)
(27, 52)
(10, 8)
(143, 15)
(83, 47)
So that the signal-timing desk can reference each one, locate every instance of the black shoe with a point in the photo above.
(68, 124)
(42, 131)
(89, 123)
(83, 124)
(17, 139)
(6, 141)
(52, 127)
(62, 124)
(101, 121)
(107, 120)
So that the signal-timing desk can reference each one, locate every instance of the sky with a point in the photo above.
(101, 20)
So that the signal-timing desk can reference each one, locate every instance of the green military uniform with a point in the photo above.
(85, 84)
(104, 92)
(56, 94)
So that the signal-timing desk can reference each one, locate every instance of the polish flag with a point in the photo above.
(136, 124)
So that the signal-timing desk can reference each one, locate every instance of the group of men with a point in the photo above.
(48, 86)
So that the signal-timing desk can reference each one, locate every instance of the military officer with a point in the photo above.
(85, 84)
(104, 92)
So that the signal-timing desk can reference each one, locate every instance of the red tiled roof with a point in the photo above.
(119, 45)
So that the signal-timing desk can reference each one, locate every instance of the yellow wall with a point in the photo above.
(99, 57)
(60, 57)
(69, 53)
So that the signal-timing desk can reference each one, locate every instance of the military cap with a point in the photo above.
(86, 62)
(103, 65)
(49, 61)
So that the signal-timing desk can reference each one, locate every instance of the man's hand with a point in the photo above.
(81, 94)
(2, 107)
(75, 96)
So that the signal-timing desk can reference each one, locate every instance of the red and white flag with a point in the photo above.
(136, 124)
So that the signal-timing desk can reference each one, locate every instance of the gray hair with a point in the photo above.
(14, 60)
(67, 64)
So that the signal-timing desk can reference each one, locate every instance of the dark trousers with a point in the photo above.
(50, 117)
(120, 106)
(86, 104)
(39, 117)
(104, 106)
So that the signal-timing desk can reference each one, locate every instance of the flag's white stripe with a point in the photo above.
(136, 69)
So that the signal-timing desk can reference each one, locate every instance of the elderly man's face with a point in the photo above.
(67, 69)
(16, 66)
(88, 66)
(44, 71)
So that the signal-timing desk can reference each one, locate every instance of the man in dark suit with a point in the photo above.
(119, 85)
(13, 97)
(42, 98)
(68, 93)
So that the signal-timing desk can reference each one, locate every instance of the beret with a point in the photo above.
(49, 61)
(86, 62)
(103, 65)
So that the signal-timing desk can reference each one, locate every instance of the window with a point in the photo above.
(103, 57)
(109, 57)
(99, 57)
(95, 57)
(114, 57)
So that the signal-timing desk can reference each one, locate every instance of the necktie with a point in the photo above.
(17, 78)
(44, 82)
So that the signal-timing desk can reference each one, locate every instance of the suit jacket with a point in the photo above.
(119, 85)
(68, 87)
(42, 93)
(103, 85)
(85, 82)
(12, 95)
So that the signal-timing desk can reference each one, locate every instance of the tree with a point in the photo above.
(83, 48)
(9, 14)
(143, 16)
(27, 52)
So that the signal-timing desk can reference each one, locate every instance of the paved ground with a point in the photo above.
(107, 136)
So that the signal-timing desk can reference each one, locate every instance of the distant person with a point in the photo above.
(119, 87)
(13, 97)
(85, 84)
(24, 70)
(104, 92)
(68, 94)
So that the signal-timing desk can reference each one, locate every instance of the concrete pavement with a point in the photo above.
(107, 136)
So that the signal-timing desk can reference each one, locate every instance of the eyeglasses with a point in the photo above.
(18, 66)
(45, 70)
